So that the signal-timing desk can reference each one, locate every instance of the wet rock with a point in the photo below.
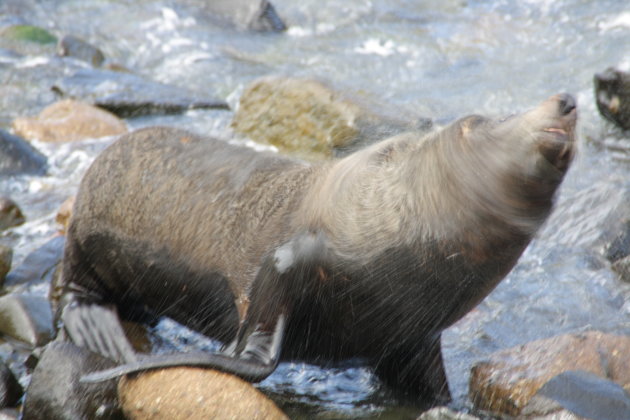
(255, 15)
(17, 156)
(10, 389)
(506, 382)
(193, 393)
(39, 266)
(622, 268)
(27, 318)
(588, 395)
(10, 214)
(612, 94)
(69, 120)
(309, 119)
(6, 255)
(55, 392)
(64, 213)
(618, 252)
(72, 46)
(445, 413)
(128, 95)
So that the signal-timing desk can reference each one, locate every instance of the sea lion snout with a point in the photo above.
(567, 103)
(557, 143)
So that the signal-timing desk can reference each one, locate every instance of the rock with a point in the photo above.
(64, 213)
(69, 120)
(445, 413)
(128, 95)
(72, 46)
(17, 156)
(55, 392)
(28, 33)
(10, 214)
(192, 393)
(27, 318)
(622, 268)
(6, 256)
(255, 15)
(612, 94)
(10, 389)
(309, 119)
(506, 382)
(588, 395)
(39, 266)
(620, 245)
(618, 252)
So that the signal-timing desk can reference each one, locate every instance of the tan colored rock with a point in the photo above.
(506, 382)
(69, 120)
(64, 213)
(187, 393)
(308, 119)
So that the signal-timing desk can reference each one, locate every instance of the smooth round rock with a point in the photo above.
(188, 393)
(69, 120)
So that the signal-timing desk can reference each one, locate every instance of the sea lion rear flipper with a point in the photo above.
(265, 349)
(97, 328)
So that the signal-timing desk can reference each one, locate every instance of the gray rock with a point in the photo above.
(27, 318)
(39, 266)
(129, 95)
(252, 15)
(17, 156)
(588, 395)
(10, 389)
(72, 46)
(55, 392)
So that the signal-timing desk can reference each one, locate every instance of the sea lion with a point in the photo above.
(371, 256)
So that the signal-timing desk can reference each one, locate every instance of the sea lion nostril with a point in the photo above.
(567, 103)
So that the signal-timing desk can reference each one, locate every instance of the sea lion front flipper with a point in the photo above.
(97, 328)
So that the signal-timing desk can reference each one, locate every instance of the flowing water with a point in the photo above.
(439, 59)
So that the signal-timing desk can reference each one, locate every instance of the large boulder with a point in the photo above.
(506, 382)
(311, 120)
(612, 94)
(69, 120)
(187, 393)
(129, 95)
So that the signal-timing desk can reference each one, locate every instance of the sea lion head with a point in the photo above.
(544, 135)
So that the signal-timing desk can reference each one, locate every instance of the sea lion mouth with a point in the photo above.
(557, 130)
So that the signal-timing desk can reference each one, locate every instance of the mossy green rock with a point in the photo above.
(28, 33)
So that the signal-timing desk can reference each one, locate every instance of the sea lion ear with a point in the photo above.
(468, 124)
